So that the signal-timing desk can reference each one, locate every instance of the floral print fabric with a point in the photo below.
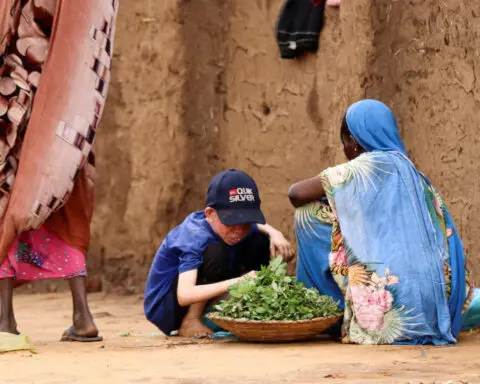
(41, 254)
(390, 257)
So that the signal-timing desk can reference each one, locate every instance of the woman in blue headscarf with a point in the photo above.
(374, 234)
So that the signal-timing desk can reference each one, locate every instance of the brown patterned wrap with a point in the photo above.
(54, 75)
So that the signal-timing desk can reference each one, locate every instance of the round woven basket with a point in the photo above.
(274, 331)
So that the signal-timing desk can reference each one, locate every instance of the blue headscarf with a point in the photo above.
(374, 126)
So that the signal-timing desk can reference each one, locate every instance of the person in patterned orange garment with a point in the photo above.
(54, 70)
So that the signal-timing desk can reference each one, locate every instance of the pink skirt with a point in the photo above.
(41, 254)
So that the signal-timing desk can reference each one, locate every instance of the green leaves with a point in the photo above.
(276, 263)
(273, 295)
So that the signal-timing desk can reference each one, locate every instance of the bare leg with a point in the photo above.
(7, 318)
(83, 323)
(192, 325)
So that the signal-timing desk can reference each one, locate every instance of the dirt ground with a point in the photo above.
(134, 352)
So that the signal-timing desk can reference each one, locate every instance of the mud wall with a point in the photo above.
(426, 67)
(143, 144)
(198, 86)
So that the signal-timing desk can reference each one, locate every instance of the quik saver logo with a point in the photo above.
(241, 194)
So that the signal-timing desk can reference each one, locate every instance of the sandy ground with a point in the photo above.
(134, 352)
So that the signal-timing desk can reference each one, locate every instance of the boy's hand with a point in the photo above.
(252, 274)
(280, 245)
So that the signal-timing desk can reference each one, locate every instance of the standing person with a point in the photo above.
(54, 73)
(211, 250)
(384, 242)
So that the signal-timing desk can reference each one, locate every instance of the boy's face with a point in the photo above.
(230, 234)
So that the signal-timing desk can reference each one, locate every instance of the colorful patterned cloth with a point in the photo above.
(395, 259)
(55, 59)
(41, 254)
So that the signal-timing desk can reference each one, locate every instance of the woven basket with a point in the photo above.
(274, 331)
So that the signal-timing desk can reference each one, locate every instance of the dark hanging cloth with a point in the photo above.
(299, 26)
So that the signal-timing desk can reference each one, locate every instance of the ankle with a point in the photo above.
(189, 318)
(82, 316)
(8, 325)
(7, 320)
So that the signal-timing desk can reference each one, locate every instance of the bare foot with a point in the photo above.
(84, 325)
(9, 326)
(83, 330)
(194, 328)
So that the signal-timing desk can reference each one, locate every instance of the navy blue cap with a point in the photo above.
(235, 197)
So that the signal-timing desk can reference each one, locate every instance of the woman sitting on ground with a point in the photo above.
(374, 234)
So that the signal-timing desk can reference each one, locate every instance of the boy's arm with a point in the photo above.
(189, 293)
(278, 243)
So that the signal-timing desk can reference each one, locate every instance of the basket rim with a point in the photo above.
(215, 315)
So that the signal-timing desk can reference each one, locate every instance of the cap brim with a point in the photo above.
(241, 216)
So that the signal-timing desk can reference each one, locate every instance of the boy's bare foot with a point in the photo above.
(194, 328)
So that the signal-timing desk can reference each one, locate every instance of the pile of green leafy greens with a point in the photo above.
(273, 295)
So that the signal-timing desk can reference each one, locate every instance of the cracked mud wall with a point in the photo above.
(142, 144)
(427, 68)
(198, 86)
